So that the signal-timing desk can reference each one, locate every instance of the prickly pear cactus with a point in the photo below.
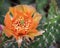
(50, 24)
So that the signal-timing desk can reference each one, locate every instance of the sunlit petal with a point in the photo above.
(28, 9)
(37, 17)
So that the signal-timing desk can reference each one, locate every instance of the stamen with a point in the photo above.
(23, 26)
(22, 22)
(26, 28)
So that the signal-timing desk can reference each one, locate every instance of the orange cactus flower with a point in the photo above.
(21, 21)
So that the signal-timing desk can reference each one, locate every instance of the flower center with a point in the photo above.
(22, 24)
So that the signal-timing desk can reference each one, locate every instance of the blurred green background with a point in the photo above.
(50, 23)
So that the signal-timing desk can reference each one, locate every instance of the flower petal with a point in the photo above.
(7, 20)
(13, 11)
(7, 32)
(19, 8)
(28, 9)
(19, 41)
(37, 17)
(25, 9)
(33, 33)
(33, 25)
